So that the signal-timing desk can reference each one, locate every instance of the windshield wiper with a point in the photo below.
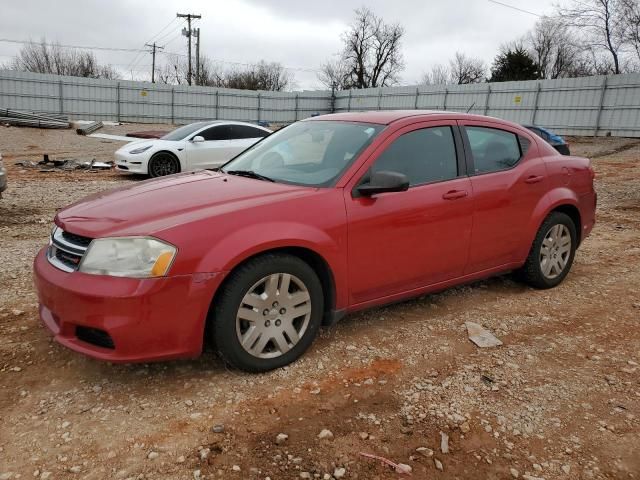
(249, 174)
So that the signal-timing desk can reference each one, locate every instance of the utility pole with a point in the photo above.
(188, 33)
(197, 35)
(153, 48)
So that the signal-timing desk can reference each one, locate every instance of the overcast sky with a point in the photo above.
(298, 34)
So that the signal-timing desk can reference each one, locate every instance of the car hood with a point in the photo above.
(143, 142)
(149, 207)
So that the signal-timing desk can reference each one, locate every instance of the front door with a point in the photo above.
(403, 241)
(217, 148)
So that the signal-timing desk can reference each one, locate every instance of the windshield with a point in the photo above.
(183, 132)
(311, 153)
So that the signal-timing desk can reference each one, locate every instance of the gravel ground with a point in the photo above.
(560, 399)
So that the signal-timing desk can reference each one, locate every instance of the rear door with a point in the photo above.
(508, 181)
(401, 241)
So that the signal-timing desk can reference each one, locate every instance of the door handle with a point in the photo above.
(455, 194)
(534, 179)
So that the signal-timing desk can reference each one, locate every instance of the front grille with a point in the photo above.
(76, 239)
(66, 250)
(95, 336)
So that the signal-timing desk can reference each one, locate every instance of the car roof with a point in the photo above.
(387, 117)
(226, 122)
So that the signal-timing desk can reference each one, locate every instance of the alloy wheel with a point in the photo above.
(273, 315)
(555, 251)
(162, 165)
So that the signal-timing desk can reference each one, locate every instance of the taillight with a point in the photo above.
(592, 172)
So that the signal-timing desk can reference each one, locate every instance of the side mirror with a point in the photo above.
(384, 181)
(197, 139)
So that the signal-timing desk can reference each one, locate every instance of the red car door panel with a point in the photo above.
(406, 240)
(504, 202)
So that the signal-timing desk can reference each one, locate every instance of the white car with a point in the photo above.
(191, 147)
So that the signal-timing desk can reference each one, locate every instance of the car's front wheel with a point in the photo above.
(552, 252)
(163, 163)
(268, 313)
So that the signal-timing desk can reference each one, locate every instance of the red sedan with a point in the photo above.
(325, 217)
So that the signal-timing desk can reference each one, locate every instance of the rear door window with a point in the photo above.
(245, 131)
(493, 149)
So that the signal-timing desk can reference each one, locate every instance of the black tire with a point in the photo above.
(223, 326)
(163, 163)
(532, 272)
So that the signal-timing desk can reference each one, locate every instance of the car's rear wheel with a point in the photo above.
(163, 163)
(268, 313)
(552, 252)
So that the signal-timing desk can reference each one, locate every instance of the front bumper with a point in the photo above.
(146, 319)
(126, 162)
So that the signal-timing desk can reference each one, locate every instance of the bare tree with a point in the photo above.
(601, 24)
(465, 69)
(554, 48)
(371, 55)
(334, 75)
(53, 58)
(261, 76)
(438, 75)
(631, 15)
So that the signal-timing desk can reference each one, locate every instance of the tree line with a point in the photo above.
(581, 38)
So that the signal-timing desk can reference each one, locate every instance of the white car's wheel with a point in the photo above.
(163, 163)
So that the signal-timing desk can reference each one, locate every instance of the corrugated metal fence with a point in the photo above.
(125, 101)
(604, 105)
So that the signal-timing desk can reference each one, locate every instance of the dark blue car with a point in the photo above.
(556, 141)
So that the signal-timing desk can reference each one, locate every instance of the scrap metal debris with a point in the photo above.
(31, 119)
(148, 134)
(482, 337)
(50, 165)
(400, 468)
(92, 127)
(107, 136)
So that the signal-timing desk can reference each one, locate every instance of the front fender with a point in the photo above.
(236, 247)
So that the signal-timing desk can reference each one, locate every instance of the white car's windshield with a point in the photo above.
(183, 132)
(313, 153)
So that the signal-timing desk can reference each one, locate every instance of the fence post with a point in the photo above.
(535, 105)
(217, 102)
(602, 92)
(349, 104)
(444, 103)
(258, 106)
(118, 102)
(296, 117)
(333, 99)
(486, 100)
(173, 106)
(60, 95)
(379, 97)
(415, 103)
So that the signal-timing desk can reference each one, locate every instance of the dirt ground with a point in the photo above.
(559, 400)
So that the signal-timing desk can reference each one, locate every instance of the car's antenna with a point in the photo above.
(472, 105)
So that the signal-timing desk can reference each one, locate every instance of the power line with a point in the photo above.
(138, 57)
(516, 8)
(79, 47)
(138, 50)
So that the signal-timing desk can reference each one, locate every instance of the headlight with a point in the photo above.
(136, 257)
(141, 149)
